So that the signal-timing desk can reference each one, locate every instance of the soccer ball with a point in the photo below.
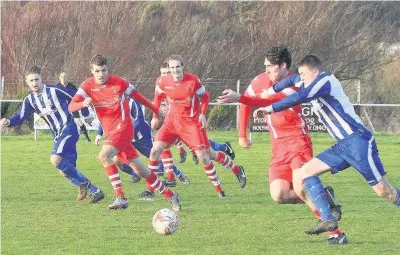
(165, 221)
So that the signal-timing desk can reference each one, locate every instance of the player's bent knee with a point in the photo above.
(117, 162)
(155, 153)
(55, 160)
(103, 158)
(278, 197)
(211, 154)
(203, 157)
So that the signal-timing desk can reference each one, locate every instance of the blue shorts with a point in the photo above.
(143, 146)
(358, 150)
(65, 143)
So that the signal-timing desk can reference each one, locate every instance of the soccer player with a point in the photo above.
(185, 120)
(355, 144)
(108, 93)
(64, 82)
(143, 142)
(51, 103)
(290, 143)
(224, 147)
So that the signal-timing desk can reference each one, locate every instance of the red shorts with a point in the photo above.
(189, 132)
(122, 141)
(289, 153)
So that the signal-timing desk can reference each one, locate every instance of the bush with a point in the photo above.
(222, 117)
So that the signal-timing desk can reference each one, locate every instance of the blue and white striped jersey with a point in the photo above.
(51, 105)
(141, 127)
(329, 102)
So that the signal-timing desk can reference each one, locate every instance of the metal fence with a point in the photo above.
(377, 117)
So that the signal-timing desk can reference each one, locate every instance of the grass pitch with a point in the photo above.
(40, 215)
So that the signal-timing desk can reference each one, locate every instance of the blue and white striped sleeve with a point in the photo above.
(24, 111)
(287, 82)
(321, 86)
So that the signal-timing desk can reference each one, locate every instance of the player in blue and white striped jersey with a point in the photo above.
(143, 142)
(355, 145)
(51, 103)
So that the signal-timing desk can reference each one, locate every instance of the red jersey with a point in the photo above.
(109, 101)
(182, 97)
(286, 123)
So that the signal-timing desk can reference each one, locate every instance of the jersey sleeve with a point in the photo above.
(199, 88)
(24, 111)
(205, 101)
(80, 96)
(287, 82)
(159, 94)
(244, 113)
(159, 86)
(321, 86)
(261, 102)
(128, 87)
(131, 91)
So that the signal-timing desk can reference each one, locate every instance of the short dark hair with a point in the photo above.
(98, 60)
(32, 70)
(176, 57)
(312, 61)
(278, 55)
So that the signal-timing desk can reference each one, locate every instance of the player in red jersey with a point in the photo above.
(185, 119)
(290, 143)
(108, 94)
(164, 70)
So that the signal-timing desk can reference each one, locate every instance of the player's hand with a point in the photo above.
(4, 122)
(97, 140)
(245, 142)
(228, 96)
(261, 109)
(203, 121)
(87, 102)
(269, 109)
(89, 119)
(154, 123)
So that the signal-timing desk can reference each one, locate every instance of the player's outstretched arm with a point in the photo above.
(24, 111)
(230, 96)
(244, 115)
(205, 101)
(321, 86)
(285, 83)
(137, 96)
(77, 103)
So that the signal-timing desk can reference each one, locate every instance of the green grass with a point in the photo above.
(40, 215)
